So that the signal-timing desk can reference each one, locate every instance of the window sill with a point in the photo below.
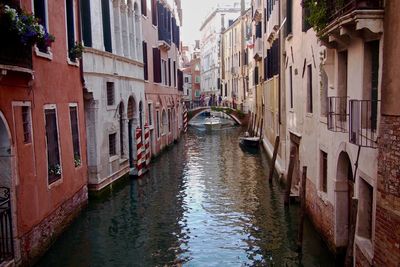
(55, 183)
(113, 158)
(309, 115)
(48, 55)
(111, 108)
(145, 17)
(365, 246)
(73, 63)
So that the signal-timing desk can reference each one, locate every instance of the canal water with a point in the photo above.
(205, 202)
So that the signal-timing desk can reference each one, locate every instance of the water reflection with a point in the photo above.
(205, 202)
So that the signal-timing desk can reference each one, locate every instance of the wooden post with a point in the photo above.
(352, 231)
(302, 209)
(272, 168)
(254, 125)
(261, 129)
(290, 175)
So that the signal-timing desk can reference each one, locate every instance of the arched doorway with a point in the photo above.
(6, 237)
(131, 130)
(344, 194)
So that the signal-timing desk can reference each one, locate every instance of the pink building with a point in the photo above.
(43, 171)
(163, 79)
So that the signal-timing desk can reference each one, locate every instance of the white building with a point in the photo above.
(219, 19)
(114, 87)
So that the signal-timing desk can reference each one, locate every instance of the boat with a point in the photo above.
(250, 141)
(212, 123)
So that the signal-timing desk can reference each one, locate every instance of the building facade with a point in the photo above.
(114, 87)
(163, 77)
(211, 30)
(43, 161)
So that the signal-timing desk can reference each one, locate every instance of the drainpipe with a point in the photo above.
(280, 69)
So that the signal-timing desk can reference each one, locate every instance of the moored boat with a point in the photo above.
(248, 141)
(212, 123)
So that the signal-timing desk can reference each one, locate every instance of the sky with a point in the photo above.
(194, 13)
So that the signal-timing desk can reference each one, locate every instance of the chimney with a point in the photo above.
(222, 22)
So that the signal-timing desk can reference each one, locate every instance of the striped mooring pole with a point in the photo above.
(185, 121)
(147, 143)
(139, 151)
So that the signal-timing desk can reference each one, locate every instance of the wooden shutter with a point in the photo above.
(157, 65)
(145, 67)
(169, 72)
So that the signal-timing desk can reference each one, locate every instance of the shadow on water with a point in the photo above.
(205, 202)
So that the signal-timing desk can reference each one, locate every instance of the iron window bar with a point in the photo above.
(338, 114)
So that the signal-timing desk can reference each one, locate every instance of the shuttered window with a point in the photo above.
(169, 72)
(73, 113)
(154, 12)
(86, 23)
(110, 94)
(105, 9)
(144, 7)
(70, 28)
(309, 90)
(53, 150)
(174, 74)
(289, 17)
(145, 67)
(157, 65)
(40, 11)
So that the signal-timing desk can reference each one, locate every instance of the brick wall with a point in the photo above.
(321, 214)
(36, 242)
(387, 226)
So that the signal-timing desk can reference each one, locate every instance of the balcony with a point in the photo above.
(347, 19)
(364, 122)
(258, 49)
(337, 114)
(14, 56)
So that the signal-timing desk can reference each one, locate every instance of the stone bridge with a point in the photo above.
(237, 116)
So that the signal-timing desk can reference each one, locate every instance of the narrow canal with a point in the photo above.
(205, 202)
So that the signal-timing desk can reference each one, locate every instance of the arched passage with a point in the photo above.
(131, 114)
(344, 193)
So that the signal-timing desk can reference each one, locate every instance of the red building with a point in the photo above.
(43, 171)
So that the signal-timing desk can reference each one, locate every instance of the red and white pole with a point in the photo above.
(147, 143)
(139, 152)
(185, 120)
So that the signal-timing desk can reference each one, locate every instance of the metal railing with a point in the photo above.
(6, 238)
(337, 114)
(339, 8)
(364, 122)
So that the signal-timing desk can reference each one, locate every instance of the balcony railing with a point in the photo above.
(364, 122)
(339, 8)
(12, 52)
(337, 114)
(6, 239)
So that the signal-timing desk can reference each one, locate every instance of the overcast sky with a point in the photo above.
(194, 12)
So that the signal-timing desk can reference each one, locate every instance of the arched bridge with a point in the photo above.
(238, 116)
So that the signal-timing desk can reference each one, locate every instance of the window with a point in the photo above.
(309, 90)
(73, 113)
(169, 72)
(365, 208)
(291, 86)
(53, 150)
(169, 120)
(26, 124)
(105, 10)
(86, 23)
(324, 171)
(40, 10)
(158, 123)
(121, 128)
(163, 72)
(154, 12)
(150, 114)
(157, 65)
(145, 67)
(289, 14)
(69, 4)
(174, 74)
(111, 144)
(110, 94)
(144, 7)
(197, 79)
(186, 79)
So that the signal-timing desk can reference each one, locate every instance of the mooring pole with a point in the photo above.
(290, 175)
(272, 168)
(302, 210)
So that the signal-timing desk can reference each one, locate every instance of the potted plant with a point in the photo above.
(76, 51)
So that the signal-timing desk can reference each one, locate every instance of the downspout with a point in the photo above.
(280, 69)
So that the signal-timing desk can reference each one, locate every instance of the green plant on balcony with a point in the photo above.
(77, 160)
(24, 26)
(320, 11)
(76, 51)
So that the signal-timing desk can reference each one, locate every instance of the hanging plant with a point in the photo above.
(77, 160)
(55, 170)
(76, 51)
(26, 26)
